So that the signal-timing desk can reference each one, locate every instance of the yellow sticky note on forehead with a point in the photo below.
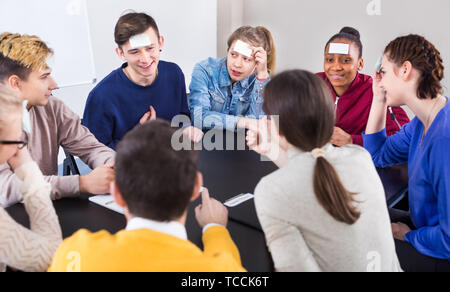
(337, 48)
(140, 41)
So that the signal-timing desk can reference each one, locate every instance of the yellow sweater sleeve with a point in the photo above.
(217, 241)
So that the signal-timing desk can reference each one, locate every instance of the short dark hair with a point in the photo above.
(10, 67)
(351, 34)
(132, 24)
(155, 181)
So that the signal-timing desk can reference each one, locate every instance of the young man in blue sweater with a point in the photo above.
(141, 89)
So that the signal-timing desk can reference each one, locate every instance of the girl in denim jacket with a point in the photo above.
(226, 93)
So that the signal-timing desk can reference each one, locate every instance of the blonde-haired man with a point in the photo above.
(23, 67)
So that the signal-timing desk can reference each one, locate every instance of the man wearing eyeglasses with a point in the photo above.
(20, 144)
(23, 67)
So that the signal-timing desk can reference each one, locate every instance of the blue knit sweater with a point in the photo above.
(116, 104)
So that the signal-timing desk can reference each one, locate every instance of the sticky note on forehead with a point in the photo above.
(243, 48)
(336, 48)
(140, 41)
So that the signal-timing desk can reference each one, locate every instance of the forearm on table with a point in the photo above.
(23, 249)
(36, 192)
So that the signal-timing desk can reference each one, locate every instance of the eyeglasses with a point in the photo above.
(20, 144)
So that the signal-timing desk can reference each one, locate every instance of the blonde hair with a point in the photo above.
(257, 36)
(10, 104)
(21, 54)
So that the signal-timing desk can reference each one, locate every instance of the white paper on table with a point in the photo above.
(236, 201)
(108, 202)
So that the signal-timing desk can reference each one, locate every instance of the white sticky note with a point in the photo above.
(243, 48)
(235, 201)
(140, 41)
(336, 48)
(108, 202)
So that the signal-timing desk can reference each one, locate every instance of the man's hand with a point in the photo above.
(148, 116)
(340, 137)
(97, 182)
(211, 211)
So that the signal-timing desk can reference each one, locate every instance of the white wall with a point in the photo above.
(301, 28)
(189, 28)
(230, 15)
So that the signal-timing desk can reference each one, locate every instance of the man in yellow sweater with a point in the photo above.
(154, 184)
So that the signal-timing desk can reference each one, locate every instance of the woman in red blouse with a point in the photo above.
(352, 91)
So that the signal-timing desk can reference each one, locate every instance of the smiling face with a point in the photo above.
(239, 66)
(341, 69)
(142, 62)
(37, 88)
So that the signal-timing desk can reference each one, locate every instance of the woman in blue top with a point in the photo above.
(226, 93)
(410, 74)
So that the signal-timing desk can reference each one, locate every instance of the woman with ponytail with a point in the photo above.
(351, 90)
(325, 208)
(226, 93)
(411, 74)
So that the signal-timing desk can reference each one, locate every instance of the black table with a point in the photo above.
(395, 182)
(226, 174)
(78, 213)
(230, 173)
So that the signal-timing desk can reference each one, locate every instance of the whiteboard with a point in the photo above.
(64, 26)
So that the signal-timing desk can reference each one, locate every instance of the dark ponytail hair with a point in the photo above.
(288, 95)
(423, 56)
(351, 34)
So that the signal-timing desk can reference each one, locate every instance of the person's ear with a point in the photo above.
(14, 82)
(161, 42)
(117, 195)
(121, 54)
(198, 185)
(406, 71)
(360, 64)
